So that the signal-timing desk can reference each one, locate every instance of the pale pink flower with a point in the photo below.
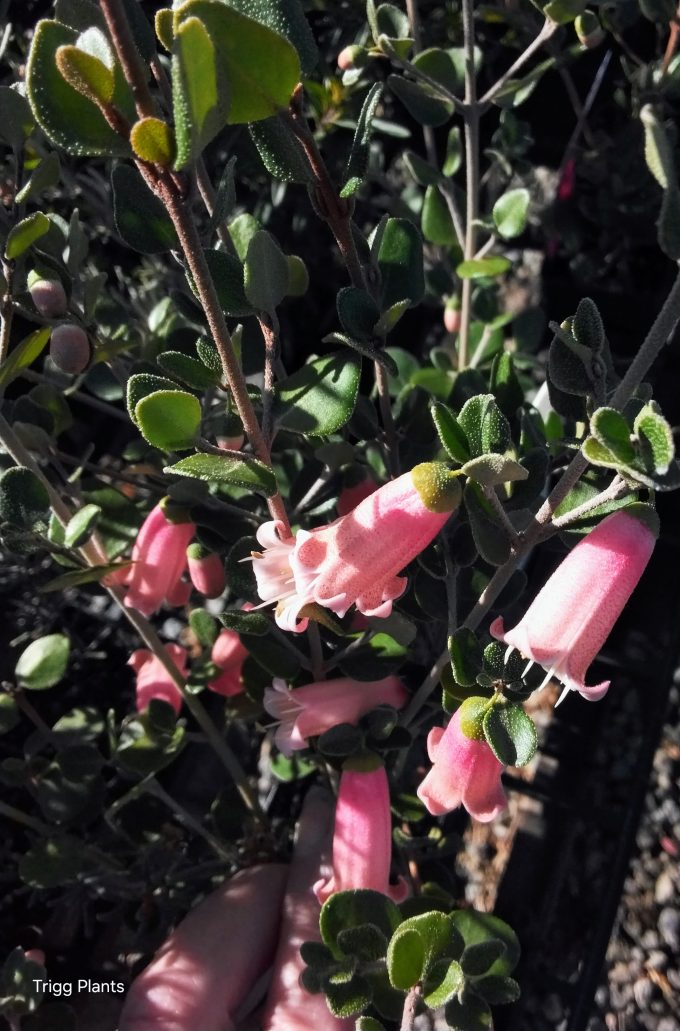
(572, 615)
(464, 772)
(153, 679)
(355, 560)
(289, 1006)
(311, 710)
(229, 654)
(203, 973)
(206, 571)
(362, 838)
(159, 561)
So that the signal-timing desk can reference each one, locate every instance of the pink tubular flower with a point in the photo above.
(572, 615)
(355, 560)
(153, 679)
(465, 772)
(310, 710)
(229, 654)
(206, 571)
(362, 839)
(203, 973)
(159, 560)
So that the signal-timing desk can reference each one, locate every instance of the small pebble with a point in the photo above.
(669, 927)
(664, 889)
(643, 990)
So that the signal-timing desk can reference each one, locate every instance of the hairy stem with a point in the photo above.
(129, 56)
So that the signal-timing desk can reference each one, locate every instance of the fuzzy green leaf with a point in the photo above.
(247, 473)
(510, 734)
(169, 419)
(320, 397)
(510, 213)
(43, 663)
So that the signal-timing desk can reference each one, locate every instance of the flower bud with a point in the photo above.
(48, 295)
(588, 29)
(351, 57)
(69, 348)
(206, 571)
(452, 315)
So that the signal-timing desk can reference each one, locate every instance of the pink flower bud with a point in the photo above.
(159, 559)
(203, 973)
(452, 319)
(465, 772)
(356, 559)
(231, 443)
(572, 615)
(49, 297)
(348, 57)
(206, 571)
(311, 710)
(69, 348)
(229, 654)
(153, 679)
(362, 839)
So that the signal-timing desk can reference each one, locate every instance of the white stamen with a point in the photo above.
(527, 667)
(565, 692)
(508, 652)
(548, 677)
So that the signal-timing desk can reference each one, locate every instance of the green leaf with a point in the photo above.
(364, 347)
(255, 623)
(490, 537)
(320, 397)
(10, 715)
(169, 419)
(436, 221)
(53, 862)
(200, 104)
(454, 152)
(564, 11)
(510, 213)
(400, 261)
(422, 171)
(357, 162)
(43, 663)
(140, 217)
(191, 371)
(24, 354)
(612, 431)
(204, 626)
(288, 19)
(587, 326)
(405, 958)
(227, 274)
(348, 998)
(421, 101)
(450, 432)
(391, 317)
(369, 1024)
(16, 120)
(466, 656)
(491, 470)
(658, 151)
(505, 386)
(152, 140)
(510, 734)
(486, 428)
(444, 982)
(86, 73)
(45, 175)
(479, 957)
(247, 473)
(82, 525)
(25, 233)
(347, 909)
(470, 1014)
(655, 437)
(479, 268)
(497, 990)
(261, 68)
(149, 741)
(440, 66)
(475, 926)
(140, 385)
(67, 118)
(24, 501)
(265, 273)
(76, 577)
(281, 151)
(357, 311)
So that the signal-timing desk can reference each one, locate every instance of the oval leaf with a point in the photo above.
(169, 419)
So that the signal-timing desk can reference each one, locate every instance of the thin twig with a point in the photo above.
(547, 30)
(129, 56)
(471, 117)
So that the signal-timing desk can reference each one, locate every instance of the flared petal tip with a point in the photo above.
(594, 693)
(497, 629)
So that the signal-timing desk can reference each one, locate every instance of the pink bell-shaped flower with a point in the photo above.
(206, 571)
(572, 615)
(153, 679)
(465, 772)
(159, 561)
(355, 560)
(362, 839)
(311, 710)
(229, 655)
